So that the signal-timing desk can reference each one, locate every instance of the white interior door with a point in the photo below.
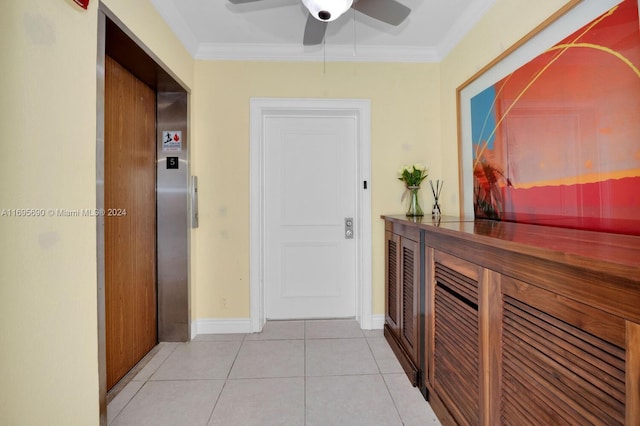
(310, 188)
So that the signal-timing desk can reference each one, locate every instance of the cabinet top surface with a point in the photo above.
(581, 248)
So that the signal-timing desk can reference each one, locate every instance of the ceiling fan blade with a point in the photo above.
(389, 11)
(314, 31)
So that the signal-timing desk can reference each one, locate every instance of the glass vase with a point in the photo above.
(414, 202)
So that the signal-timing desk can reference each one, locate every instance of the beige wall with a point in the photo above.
(413, 120)
(48, 304)
(405, 129)
(48, 331)
(48, 327)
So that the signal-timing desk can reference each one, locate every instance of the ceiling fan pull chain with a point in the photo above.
(324, 55)
(353, 12)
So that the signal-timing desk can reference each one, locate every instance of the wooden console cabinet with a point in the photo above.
(523, 324)
(402, 297)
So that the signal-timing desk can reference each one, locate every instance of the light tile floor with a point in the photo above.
(323, 372)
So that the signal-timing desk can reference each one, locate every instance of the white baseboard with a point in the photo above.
(377, 321)
(243, 325)
(220, 326)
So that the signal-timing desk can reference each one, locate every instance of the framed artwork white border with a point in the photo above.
(567, 20)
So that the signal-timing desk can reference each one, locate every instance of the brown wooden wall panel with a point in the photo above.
(428, 330)
(392, 280)
(465, 286)
(633, 374)
(551, 269)
(490, 324)
(604, 325)
(555, 371)
(409, 329)
(551, 335)
(402, 298)
(457, 264)
(456, 352)
(130, 238)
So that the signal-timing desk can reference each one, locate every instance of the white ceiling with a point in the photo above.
(273, 30)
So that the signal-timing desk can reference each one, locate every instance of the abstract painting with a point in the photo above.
(557, 140)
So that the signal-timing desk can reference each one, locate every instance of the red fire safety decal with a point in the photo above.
(82, 3)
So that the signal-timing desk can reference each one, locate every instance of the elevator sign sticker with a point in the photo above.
(172, 141)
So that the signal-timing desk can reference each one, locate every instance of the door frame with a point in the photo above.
(168, 86)
(360, 110)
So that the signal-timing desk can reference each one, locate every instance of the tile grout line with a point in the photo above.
(386, 385)
(224, 385)
(393, 400)
(141, 386)
(304, 339)
(389, 383)
(373, 355)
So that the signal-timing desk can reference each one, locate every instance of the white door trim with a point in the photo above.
(360, 109)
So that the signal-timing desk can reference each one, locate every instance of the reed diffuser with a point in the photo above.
(436, 196)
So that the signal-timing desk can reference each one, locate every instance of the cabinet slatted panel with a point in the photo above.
(461, 284)
(392, 302)
(407, 295)
(555, 373)
(456, 363)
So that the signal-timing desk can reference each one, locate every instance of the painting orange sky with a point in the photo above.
(560, 136)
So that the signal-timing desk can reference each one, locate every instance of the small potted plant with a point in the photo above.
(412, 176)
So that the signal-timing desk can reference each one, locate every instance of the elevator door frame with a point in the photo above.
(172, 187)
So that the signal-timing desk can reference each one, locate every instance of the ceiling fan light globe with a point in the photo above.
(327, 10)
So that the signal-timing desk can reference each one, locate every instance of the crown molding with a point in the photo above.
(328, 53)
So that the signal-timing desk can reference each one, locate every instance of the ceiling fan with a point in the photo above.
(321, 12)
